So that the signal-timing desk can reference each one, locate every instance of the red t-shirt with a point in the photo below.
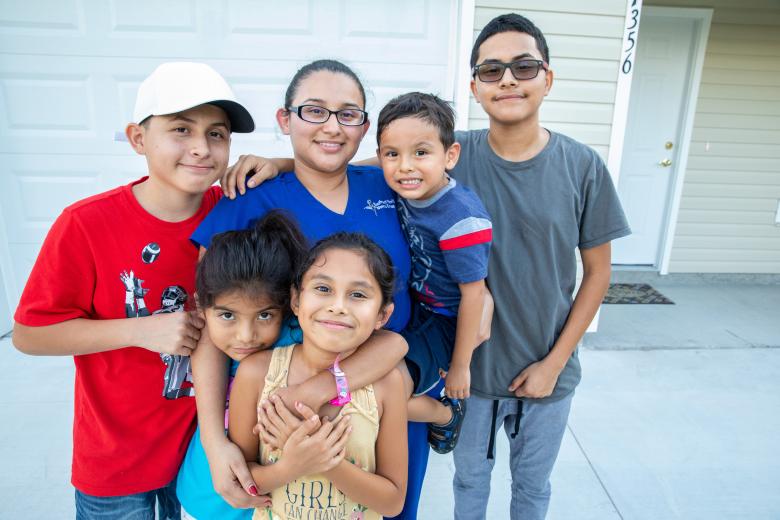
(105, 257)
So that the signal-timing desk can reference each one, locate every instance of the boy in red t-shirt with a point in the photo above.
(113, 287)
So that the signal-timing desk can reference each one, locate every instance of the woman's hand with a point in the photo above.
(232, 479)
(276, 423)
(258, 169)
(316, 446)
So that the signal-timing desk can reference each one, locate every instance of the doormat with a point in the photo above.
(627, 293)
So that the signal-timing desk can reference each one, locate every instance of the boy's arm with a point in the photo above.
(170, 333)
(538, 379)
(373, 360)
(258, 169)
(467, 338)
(383, 491)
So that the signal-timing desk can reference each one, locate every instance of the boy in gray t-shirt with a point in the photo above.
(548, 195)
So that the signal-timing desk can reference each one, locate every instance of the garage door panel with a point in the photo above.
(416, 31)
(35, 189)
(69, 105)
(37, 105)
(276, 30)
(22, 260)
(34, 197)
(398, 20)
(152, 16)
(81, 111)
(41, 192)
(297, 18)
(63, 17)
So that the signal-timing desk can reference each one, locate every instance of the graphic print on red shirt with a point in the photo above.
(121, 262)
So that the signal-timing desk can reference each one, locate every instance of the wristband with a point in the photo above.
(342, 388)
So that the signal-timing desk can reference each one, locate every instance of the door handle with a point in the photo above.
(666, 163)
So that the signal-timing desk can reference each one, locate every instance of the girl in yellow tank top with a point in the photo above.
(350, 461)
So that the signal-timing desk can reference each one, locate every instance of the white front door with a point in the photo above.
(663, 69)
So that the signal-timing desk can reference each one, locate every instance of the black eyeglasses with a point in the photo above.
(521, 69)
(319, 115)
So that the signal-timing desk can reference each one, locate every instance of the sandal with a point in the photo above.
(443, 437)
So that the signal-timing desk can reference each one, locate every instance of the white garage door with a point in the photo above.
(69, 70)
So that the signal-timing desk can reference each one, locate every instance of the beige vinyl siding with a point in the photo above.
(584, 40)
(732, 183)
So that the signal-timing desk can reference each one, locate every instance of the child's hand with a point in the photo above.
(308, 451)
(536, 381)
(458, 382)
(232, 478)
(276, 423)
(169, 333)
(258, 169)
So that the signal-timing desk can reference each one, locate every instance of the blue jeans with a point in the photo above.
(535, 431)
(140, 506)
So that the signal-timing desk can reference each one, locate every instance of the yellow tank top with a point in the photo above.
(314, 496)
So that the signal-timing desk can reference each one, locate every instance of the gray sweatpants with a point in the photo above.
(535, 436)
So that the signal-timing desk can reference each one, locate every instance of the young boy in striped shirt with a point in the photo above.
(449, 233)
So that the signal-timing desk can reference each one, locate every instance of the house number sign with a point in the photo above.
(631, 35)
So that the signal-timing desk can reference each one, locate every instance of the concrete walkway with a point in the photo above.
(654, 435)
(676, 418)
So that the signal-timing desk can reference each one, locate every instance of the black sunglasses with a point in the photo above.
(521, 69)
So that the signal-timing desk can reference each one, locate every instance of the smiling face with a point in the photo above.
(240, 324)
(339, 304)
(186, 152)
(324, 147)
(511, 101)
(413, 158)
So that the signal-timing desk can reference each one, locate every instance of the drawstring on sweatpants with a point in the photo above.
(517, 418)
(492, 441)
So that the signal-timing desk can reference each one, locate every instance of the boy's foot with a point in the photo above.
(444, 437)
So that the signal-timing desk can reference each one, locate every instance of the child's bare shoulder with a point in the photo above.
(255, 366)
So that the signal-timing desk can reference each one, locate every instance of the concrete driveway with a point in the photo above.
(677, 417)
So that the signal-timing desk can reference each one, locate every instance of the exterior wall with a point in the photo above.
(584, 40)
(732, 183)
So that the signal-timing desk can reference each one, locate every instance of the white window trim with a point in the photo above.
(460, 54)
(623, 93)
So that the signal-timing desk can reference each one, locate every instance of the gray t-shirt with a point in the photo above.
(542, 210)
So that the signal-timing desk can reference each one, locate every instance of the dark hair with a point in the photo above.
(427, 107)
(316, 66)
(261, 260)
(507, 23)
(378, 261)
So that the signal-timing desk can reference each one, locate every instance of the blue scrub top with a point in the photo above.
(370, 210)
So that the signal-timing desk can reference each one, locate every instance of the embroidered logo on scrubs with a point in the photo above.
(375, 206)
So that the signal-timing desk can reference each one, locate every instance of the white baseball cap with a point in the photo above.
(178, 86)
